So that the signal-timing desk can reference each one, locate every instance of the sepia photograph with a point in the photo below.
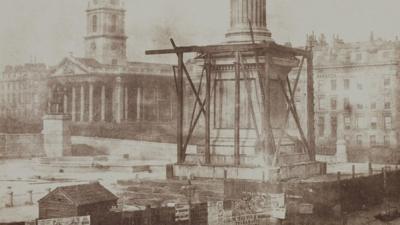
(199, 112)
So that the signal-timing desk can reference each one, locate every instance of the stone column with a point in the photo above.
(260, 13)
(264, 14)
(245, 11)
(241, 12)
(65, 101)
(73, 104)
(126, 103)
(118, 100)
(138, 103)
(90, 102)
(239, 8)
(82, 117)
(103, 103)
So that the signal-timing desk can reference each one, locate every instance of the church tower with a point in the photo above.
(106, 40)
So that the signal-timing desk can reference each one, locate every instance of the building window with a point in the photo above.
(346, 84)
(321, 126)
(388, 122)
(348, 58)
(347, 122)
(94, 23)
(334, 126)
(333, 85)
(114, 62)
(373, 105)
(386, 140)
(346, 104)
(358, 57)
(360, 122)
(385, 54)
(386, 82)
(374, 123)
(347, 139)
(320, 85)
(359, 139)
(333, 103)
(387, 105)
(114, 46)
(372, 140)
(360, 106)
(359, 86)
(321, 103)
(113, 23)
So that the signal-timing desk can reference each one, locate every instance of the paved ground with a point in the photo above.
(20, 214)
(24, 175)
(21, 176)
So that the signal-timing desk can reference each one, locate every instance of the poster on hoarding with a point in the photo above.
(279, 213)
(77, 220)
(278, 209)
(306, 208)
(277, 200)
(181, 212)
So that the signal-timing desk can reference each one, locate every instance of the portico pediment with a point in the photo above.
(69, 67)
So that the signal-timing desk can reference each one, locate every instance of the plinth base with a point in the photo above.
(299, 170)
(56, 135)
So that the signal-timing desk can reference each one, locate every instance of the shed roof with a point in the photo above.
(84, 194)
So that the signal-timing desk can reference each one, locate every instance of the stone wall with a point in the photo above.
(31, 145)
(21, 145)
(141, 150)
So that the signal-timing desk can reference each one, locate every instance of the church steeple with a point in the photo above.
(106, 40)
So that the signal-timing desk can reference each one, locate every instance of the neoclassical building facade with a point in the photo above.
(103, 86)
(93, 92)
(23, 92)
(356, 93)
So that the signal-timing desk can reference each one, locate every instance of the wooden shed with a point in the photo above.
(78, 200)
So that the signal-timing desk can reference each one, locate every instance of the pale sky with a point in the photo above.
(50, 29)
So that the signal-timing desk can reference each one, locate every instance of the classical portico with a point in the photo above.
(95, 93)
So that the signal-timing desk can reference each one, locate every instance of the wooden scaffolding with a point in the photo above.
(267, 50)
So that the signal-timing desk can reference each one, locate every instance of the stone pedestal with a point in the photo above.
(56, 135)
(341, 151)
